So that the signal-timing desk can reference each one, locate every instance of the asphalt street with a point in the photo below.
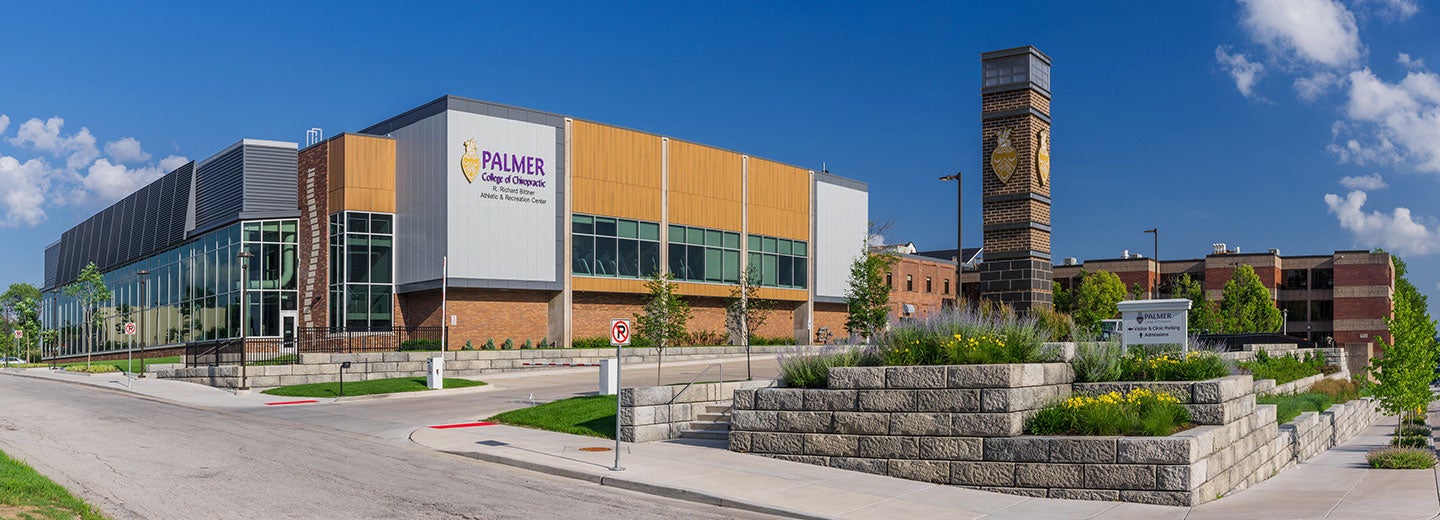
(138, 457)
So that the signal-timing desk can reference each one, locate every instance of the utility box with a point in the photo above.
(609, 376)
(435, 373)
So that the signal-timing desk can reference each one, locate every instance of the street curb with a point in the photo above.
(422, 393)
(634, 485)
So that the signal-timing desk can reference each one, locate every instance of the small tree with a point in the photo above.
(867, 300)
(1098, 298)
(1064, 299)
(1408, 364)
(1246, 305)
(89, 291)
(746, 311)
(664, 317)
(1204, 314)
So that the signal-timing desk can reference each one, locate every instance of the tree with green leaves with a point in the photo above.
(1097, 298)
(89, 291)
(867, 300)
(22, 305)
(1204, 317)
(664, 317)
(1064, 299)
(1404, 372)
(1246, 305)
(746, 311)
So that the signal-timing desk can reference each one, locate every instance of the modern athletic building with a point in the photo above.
(544, 227)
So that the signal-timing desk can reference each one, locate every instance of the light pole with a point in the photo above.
(1284, 321)
(1155, 293)
(144, 274)
(958, 177)
(244, 256)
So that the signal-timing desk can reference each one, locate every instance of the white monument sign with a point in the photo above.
(1155, 322)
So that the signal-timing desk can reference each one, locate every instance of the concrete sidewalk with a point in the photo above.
(1335, 484)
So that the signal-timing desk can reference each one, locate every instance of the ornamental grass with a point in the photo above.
(813, 370)
(1138, 412)
(983, 335)
(1197, 365)
(1283, 369)
(1401, 458)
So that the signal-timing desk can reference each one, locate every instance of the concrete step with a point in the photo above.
(710, 425)
(718, 408)
(705, 434)
(722, 417)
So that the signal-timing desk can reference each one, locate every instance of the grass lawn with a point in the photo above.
(377, 386)
(122, 365)
(27, 494)
(592, 415)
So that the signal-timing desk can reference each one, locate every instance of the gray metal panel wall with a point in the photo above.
(420, 207)
(219, 189)
(270, 182)
(841, 221)
(52, 261)
(134, 227)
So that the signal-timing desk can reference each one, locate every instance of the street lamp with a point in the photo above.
(244, 256)
(144, 274)
(1156, 231)
(958, 177)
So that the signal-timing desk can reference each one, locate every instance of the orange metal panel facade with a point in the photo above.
(705, 186)
(779, 200)
(362, 174)
(616, 172)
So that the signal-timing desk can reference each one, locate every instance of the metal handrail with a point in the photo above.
(697, 378)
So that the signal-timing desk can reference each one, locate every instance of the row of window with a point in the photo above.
(625, 248)
(910, 283)
(1301, 279)
(361, 269)
(1301, 310)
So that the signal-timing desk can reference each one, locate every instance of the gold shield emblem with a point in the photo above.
(470, 162)
(1003, 159)
(1042, 158)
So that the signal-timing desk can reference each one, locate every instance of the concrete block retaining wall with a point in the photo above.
(325, 368)
(962, 425)
(657, 413)
(1298, 386)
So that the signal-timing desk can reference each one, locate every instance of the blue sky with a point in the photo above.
(1214, 121)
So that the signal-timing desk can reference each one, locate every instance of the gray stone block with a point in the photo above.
(1174, 478)
(886, 401)
(983, 473)
(890, 447)
(1155, 450)
(875, 466)
(1019, 399)
(1222, 389)
(1017, 449)
(781, 443)
(861, 423)
(1161, 498)
(1059, 374)
(915, 377)
(950, 400)
(1082, 449)
(830, 400)
(827, 445)
(803, 459)
(1223, 413)
(740, 442)
(803, 422)
(986, 424)
(754, 420)
(1085, 494)
(744, 400)
(923, 470)
(1050, 475)
(983, 376)
(920, 423)
(857, 377)
(780, 399)
(1119, 476)
(1018, 491)
(952, 448)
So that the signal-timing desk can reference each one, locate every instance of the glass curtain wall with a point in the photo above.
(704, 255)
(362, 270)
(614, 247)
(192, 293)
(782, 262)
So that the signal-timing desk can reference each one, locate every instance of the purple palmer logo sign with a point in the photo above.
(502, 168)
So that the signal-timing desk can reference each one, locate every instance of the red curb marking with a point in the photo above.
(462, 425)
(308, 401)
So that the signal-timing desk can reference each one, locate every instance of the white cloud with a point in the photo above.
(1410, 63)
(1245, 72)
(1370, 182)
(4, 123)
(126, 150)
(45, 136)
(1403, 118)
(171, 162)
(1311, 88)
(25, 186)
(110, 182)
(1396, 232)
(1392, 10)
(1313, 31)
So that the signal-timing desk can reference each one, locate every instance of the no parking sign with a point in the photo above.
(619, 332)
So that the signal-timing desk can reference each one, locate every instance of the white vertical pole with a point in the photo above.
(444, 305)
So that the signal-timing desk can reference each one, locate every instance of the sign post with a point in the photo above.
(130, 355)
(1155, 322)
(619, 337)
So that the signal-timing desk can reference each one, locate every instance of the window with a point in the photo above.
(927, 285)
(704, 255)
(890, 280)
(909, 283)
(362, 270)
(1294, 310)
(1322, 310)
(947, 286)
(1322, 278)
(614, 247)
(1295, 279)
(781, 262)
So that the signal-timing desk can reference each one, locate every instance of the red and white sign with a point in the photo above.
(129, 328)
(619, 332)
(19, 334)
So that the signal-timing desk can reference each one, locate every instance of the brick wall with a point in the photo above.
(832, 316)
(925, 302)
(313, 256)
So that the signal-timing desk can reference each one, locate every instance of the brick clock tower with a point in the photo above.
(1015, 137)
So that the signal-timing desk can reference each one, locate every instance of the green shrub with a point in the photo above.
(544, 343)
(489, 344)
(1339, 390)
(1414, 419)
(1401, 458)
(1415, 430)
(1283, 369)
(1162, 365)
(1098, 362)
(604, 342)
(509, 344)
(1138, 412)
(527, 345)
(420, 344)
(468, 345)
(813, 370)
(775, 340)
(93, 369)
(1410, 441)
(1288, 407)
(1058, 326)
(703, 338)
(983, 336)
